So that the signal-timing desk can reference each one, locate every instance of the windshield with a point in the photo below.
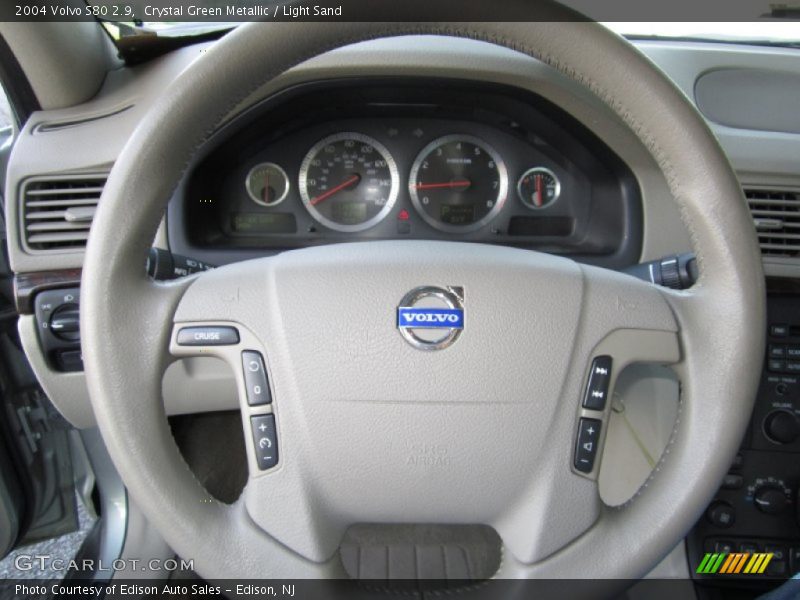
(768, 32)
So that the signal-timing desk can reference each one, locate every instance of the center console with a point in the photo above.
(755, 509)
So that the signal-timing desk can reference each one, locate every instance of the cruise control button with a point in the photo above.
(587, 443)
(597, 387)
(208, 336)
(255, 379)
(265, 441)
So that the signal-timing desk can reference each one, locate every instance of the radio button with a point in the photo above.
(594, 398)
(587, 444)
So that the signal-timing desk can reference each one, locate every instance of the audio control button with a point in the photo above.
(596, 394)
(777, 366)
(781, 427)
(778, 351)
(587, 444)
(779, 330)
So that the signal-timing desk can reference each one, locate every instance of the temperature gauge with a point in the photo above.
(538, 188)
(267, 184)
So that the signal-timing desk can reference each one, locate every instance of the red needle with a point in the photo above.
(449, 184)
(325, 195)
(538, 198)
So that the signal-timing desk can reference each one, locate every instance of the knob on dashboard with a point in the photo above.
(721, 514)
(782, 427)
(771, 499)
(65, 322)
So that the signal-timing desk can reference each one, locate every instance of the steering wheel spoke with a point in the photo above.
(623, 321)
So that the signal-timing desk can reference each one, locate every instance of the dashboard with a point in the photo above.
(350, 160)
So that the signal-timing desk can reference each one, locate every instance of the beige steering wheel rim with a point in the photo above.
(719, 380)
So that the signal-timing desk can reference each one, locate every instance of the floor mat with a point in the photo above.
(24, 562)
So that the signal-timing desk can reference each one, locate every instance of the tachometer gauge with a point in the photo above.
(458, 183)
(538, 188)
(267, 184)
(349, 182)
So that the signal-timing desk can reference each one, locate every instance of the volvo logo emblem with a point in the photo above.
(431, 318)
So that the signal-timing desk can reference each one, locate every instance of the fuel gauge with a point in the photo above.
(267, 184)
(538, 188)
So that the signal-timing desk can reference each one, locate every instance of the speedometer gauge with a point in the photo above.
(348, 182)
(458, 183)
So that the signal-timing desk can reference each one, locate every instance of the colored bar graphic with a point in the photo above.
(734, 563)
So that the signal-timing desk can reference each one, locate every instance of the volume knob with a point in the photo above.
(781, 426)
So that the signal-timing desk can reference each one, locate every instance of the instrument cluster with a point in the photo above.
(412, 161)
(349, 182)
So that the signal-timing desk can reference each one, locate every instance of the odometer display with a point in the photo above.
(458, 183)
(457, 215)
(348, 182)
(263, 223)
(350, 213)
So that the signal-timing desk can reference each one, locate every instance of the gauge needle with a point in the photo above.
(325, 195)
(449, 184)
(538, 201)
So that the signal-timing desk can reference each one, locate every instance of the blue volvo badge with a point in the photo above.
(431, 318)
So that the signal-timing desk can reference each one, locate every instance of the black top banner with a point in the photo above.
(233, 11)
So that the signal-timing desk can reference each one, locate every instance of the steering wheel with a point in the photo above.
(352, 400)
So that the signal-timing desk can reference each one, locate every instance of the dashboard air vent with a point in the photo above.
(57, 213)
(776, 214)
